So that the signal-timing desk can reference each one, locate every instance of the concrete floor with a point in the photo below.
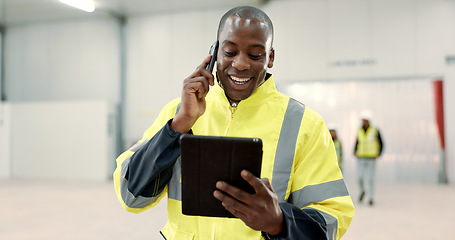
(64, 210)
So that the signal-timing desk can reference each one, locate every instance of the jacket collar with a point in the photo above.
(258, 97)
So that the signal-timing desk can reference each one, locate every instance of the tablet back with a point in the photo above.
(208, 159)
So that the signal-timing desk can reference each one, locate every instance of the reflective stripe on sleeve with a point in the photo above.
(127, 196)
(175, 186)
(319, 192)
(284, 157)
(332, 224)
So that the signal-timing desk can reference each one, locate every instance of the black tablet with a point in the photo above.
(208, 159)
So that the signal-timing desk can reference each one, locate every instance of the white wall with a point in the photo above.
(63, 61)
(318, 39)
(61, 140)
(55, 64)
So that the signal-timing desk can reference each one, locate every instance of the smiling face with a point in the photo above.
(244, 55)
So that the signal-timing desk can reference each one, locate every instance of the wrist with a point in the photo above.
(277, 232)
(181, 124)
(277, 228)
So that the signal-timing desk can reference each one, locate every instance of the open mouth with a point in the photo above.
(240, 81)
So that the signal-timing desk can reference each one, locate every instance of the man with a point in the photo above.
(301, 194)
(337, 143)
(368, 148)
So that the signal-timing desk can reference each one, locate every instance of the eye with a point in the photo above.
(256, 56)
(230, 53)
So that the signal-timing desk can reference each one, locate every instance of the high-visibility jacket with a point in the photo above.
(368, 144)
(298, 157)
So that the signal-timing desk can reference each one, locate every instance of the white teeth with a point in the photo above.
(240, 80)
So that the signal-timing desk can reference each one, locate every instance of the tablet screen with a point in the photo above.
(208, 159)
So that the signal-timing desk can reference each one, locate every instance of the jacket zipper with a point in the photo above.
(232, 110)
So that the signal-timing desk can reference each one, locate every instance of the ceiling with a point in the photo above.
(13, 12)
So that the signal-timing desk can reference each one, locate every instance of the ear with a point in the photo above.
(271, 58)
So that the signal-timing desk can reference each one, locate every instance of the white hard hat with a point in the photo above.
(331, 126)
(366, 114)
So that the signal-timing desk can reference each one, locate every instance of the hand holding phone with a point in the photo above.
(193, 86)
(214, 52)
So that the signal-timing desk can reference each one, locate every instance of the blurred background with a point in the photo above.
(78, 88)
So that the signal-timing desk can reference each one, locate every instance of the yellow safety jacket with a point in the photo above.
(298, 157)
(368, 143)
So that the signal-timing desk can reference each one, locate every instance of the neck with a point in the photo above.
(233, 103)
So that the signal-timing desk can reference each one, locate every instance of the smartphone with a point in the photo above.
(213, 51)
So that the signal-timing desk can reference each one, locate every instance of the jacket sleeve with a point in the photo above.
(302, 224)
(144, 170)
(381, 143)
(356, 145)
(318, 204)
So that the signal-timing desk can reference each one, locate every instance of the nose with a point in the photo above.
(241, 62)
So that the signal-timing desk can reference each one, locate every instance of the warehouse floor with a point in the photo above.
(63, 210)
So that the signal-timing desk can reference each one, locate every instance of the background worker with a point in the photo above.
(368, 148)
(337, 143)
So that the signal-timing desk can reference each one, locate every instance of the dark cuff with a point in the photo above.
(151, 166)
(306, 224)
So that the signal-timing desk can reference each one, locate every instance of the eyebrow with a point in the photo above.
(254, 45)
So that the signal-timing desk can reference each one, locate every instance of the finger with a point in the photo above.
(219, 195)
(203, 87)
(236, 207)
(234, 211)
(231, 190)
(202, 72)
(235, 192)
(201, 69)
(198, 85)
(254, 181)
(205, 62)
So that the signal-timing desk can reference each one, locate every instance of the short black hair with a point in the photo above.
(246, 12)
